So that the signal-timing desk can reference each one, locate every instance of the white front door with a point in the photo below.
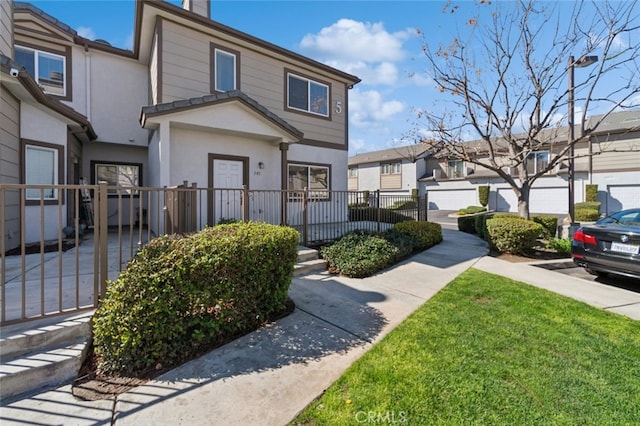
(227, 180)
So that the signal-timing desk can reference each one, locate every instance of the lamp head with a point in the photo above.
(585, 61)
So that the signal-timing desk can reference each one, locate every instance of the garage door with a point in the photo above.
(550, 200)
(452, 199)
(620, 197)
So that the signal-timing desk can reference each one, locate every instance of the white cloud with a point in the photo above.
(86, 32)
(360, 48)
(356, 145)
(368, 108)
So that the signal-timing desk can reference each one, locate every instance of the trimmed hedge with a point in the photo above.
(404, 205)
(511, 235)
(587, 215)
(483, 195)
(181, 295)
(549, 225)
(589, 205)
(467, 224)
(472, 210)
(360, 254)
(371, 214)
(426, 234)
(591, 192)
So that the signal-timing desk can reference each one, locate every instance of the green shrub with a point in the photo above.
(371, 214)
(549, 225)
(360, 254)
(426, 234)
(481, 224)
(226, 221)
(591, 192)
(503, 215)
(587, 215)
(511, 235)
(472, 210)
(406, 244)
(404, 205)
(467, 224)
(179, 296)
(483, 195)
(415, 194)
(561, 245)
(589, 205)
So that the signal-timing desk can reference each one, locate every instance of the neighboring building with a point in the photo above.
(394, 171)
(614, 167)
(193, 101)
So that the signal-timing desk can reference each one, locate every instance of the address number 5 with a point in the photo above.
(339, 107)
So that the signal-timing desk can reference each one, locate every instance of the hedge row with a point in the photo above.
(180, 295)
(360, 254)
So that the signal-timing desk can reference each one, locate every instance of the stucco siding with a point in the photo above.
(115, 108)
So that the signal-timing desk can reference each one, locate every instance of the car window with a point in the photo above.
(623, 218)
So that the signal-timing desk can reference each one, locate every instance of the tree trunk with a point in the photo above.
(523, 201)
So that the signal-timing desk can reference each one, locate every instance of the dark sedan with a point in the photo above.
(610, 246)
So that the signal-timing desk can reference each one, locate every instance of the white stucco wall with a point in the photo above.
(39, 126)
(110, 90)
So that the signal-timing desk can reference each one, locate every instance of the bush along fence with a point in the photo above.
(43, 275)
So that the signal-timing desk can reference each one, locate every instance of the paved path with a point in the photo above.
(267, 377)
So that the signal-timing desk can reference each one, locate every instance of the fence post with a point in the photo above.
(245, 203)
(379, 211)
(305, 219)
(102, 206)
(426, 206)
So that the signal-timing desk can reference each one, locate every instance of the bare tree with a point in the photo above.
(506, 84)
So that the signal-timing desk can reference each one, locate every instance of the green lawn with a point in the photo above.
(490, 350)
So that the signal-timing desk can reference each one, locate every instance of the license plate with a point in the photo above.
(625, 248)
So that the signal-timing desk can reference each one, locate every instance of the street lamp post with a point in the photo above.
(583, 61)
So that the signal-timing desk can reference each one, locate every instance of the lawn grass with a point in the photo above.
(490, 350)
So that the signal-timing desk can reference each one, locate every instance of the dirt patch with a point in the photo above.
(538, 253)
(90, 385)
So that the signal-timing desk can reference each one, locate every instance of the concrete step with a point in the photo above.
(308, 262)
(43, 353)
(310, 266)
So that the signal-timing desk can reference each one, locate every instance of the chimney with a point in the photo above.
(200, 7)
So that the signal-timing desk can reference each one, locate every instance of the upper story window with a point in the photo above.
(390, 168)
(225, 69)
(537, 161)
(307, 95)
(455, 169)
(48, 69)
(353, 172)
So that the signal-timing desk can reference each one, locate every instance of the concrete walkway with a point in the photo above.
(267, 377)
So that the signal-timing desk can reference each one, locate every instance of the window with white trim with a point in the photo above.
(537, 161)
(224, 65)
(41, 167)
(48, 69)
(314, 178)
(391, 168)
(121, 175)
(455, 169)
(307, 95)
(353, 172)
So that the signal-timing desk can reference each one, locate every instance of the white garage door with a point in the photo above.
(551, 200)
(621, 197)
(454, 199)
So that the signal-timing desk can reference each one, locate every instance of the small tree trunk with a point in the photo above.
(523, 201)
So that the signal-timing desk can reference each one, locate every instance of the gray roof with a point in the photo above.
(616, 122)
(207, 100)
(408, 152)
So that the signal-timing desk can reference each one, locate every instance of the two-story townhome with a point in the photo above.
(194, 100)
(393, 171)
(610, 159)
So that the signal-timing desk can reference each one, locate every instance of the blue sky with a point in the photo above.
(375, 40)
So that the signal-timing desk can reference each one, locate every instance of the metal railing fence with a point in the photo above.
(62, 243)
